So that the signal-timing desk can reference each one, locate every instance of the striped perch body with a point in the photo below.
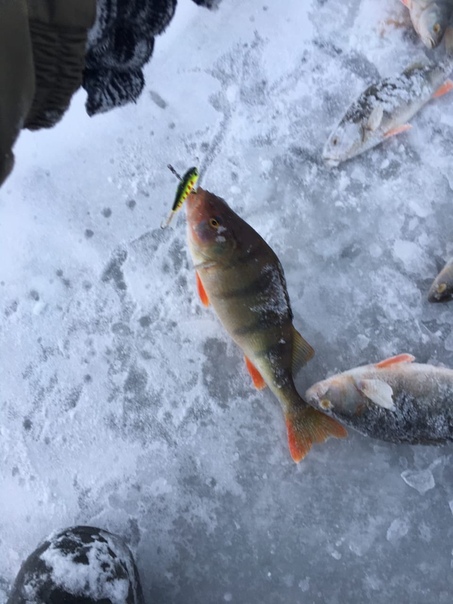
(240, 275)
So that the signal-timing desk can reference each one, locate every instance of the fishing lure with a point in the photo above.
(185, 187)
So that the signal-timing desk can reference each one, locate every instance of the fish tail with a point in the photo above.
(306, 426)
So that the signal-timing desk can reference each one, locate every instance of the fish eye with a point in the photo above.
(436, 28)
(214, 223)
(326, 404)
(335, 141)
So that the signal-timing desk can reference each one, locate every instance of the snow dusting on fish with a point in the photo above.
(385, 108)
(395, 400)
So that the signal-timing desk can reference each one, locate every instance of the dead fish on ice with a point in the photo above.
(395, 400)
(430, 19)
(240, 275)
(442, 288)
(385, 108)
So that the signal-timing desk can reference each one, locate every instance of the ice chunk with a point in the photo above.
(398, 528)
(422, 480)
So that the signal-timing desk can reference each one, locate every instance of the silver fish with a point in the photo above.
(385, 108)
(395, 400)
(430, 19)
(441, 289)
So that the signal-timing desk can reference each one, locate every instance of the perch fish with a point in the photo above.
(384, 109)
(240, 275)
(395, 400)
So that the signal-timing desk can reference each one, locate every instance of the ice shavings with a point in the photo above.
(273, 301)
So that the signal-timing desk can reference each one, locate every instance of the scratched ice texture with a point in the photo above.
(124, 405)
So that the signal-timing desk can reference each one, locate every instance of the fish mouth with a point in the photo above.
(199, 209)
(429, 43)
(331, 162)
(195, 204)
(440, 294)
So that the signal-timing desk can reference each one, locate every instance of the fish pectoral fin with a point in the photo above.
(379, 392)
(302, 351)
(257, 378)
(201, 291)
(375, 118)
(397, 130)
(306, 426)
(446, 87)
(399, 358)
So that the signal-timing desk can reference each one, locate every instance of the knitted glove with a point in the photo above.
(119, 45)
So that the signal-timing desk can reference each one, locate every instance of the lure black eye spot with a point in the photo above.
(335, 141)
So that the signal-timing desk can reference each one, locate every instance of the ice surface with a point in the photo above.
(123, 403)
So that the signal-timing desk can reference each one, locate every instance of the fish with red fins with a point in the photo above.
(240, 275)
(394, 400)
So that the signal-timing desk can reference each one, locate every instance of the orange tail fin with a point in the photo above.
(307, 426)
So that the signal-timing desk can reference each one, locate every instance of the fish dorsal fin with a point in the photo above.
(375, 118)
(378, 391)
(302, 351)
(399, 358)
(201, 291)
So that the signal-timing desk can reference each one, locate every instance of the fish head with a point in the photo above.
(432, 24)
(345, 142)
(211, 227)
(441, 291)
(337, 396)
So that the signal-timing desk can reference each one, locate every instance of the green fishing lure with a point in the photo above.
(185, 187)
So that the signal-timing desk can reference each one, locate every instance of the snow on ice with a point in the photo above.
(123, 403)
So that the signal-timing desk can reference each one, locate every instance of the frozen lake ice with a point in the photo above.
(125, 405)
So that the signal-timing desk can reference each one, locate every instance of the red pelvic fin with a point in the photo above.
(399, 358)
(443, 89)
(397, 130)
(201, 291)
(256, 376)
